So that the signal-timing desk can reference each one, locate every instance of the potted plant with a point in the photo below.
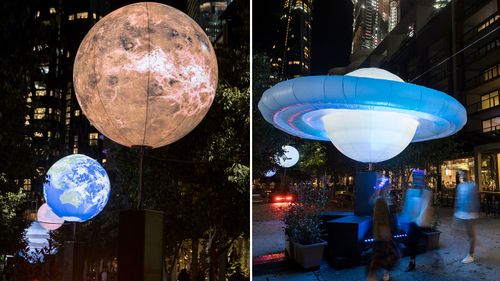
(302, 226)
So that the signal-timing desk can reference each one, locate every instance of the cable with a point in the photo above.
(450, 57)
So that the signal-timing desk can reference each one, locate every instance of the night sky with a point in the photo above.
(331, 31)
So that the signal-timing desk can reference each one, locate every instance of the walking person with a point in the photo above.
(385, 252)
(467, 210)
(416, 215)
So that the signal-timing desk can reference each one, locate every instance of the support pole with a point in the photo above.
(141, 159)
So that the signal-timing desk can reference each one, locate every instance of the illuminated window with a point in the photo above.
(491, 73)
(75, 138)
(27, 123)
(52, 10)
(490, 100)
(68, 115)
(67, 54)
(492, 124)
(77, 112)
(104, 161)
(67, 122)
(28, 100)
(94, 16)
(50, 110)
(27, 184)
(40, 93)
(83, 15)
(93, 139)
(39, 113)
(38, 134)
(49, 134)
(75, 150)
(68, 109)
(68, 97)
(37, 14)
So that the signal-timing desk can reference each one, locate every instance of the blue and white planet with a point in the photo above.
(77, 188)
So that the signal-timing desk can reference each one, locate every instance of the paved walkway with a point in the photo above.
(443, 264)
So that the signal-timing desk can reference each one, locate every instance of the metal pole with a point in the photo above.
(141, 158)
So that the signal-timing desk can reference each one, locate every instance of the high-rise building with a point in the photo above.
(207, 13)
(372, 21)
(291, 54)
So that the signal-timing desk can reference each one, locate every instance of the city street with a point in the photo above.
(442, 264)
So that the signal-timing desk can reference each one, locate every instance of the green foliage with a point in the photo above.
(302, 218)
(313, 157)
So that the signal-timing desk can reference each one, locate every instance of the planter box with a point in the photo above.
(432, 238)
(309, 256)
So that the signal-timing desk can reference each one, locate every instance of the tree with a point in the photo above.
(266, 139)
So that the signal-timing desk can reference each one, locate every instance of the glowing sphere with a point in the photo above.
(77, 188)
(145, 74)
(48, 219)
(270, 173)
(370, 115)
(289, 157)
(38, 242)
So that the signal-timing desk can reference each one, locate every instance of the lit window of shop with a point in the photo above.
(490, 100)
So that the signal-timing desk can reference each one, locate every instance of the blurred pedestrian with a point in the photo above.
(416, 215)
(467, 210)
(385, 252)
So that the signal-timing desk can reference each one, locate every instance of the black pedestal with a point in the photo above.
(365, 181)
(140, 245)
(345, 235)
(73, 261)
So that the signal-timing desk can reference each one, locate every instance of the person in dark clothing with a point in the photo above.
(385, 252)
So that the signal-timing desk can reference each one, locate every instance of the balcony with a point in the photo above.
(483, 27)
(482, 56)
(485, 103)
(486, 81)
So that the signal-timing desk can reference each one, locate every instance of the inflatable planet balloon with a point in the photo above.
(289, 158)
(48, 219)
(38, 240)
(145, 75)
(77, 188)
(270, 173)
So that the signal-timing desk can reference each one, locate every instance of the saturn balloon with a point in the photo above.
(370, 115)
(48, 219)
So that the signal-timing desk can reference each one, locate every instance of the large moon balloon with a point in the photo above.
(145, 74)
(48, 219)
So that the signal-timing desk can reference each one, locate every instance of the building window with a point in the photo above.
(488, 23)
(492, 124)
(37, 14)
(27, 184)
(82, 15)
(490, 100)
(93, 139)
(49, 134)
(67, 122)
(40, 93)
(71, 17)
(75, 150)
(39, 113)
(490, 73)
(77, 112)
(38, 134)
(94, 16)
(52, 10)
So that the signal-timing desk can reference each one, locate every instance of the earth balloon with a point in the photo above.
(145, 74)
(48, 219)
(77, 188)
